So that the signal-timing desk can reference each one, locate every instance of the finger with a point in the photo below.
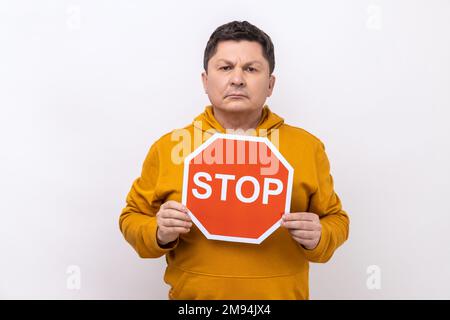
(301, 225)
(306, 235)
(176, 230)
(175, 223)
(174, 214)
(174, 205)
(308, 216)
(303, 216)
(183, 230)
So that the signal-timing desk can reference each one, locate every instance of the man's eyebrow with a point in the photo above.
(247, 63)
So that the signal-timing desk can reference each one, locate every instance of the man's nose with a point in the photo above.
(237, 78)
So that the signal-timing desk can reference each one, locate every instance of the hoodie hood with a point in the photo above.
(208, 123)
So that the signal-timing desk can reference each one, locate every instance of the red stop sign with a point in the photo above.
(237, 187)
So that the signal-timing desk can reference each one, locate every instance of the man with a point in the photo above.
(238, 62)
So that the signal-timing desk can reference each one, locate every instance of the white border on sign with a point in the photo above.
(242, 138)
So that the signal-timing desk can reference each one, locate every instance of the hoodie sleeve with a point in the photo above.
(325, 202)
(137, 221)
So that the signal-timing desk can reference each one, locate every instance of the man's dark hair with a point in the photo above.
(240, 30)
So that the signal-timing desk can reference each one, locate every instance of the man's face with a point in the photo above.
(238, 78)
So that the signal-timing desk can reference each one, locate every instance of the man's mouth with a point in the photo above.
(236, 96)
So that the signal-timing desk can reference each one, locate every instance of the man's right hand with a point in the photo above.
(172, 219)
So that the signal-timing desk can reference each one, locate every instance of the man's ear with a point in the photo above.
(205, 81)
(271, 85)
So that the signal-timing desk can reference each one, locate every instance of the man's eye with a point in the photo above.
(225, 68)
(251, 69)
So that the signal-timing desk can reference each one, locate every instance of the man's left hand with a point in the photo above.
(304, 227)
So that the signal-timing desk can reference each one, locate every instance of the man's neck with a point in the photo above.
(238, 120)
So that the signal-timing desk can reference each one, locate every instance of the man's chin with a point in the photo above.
(235, 106)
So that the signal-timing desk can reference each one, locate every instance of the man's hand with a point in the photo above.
(304, 227)
(172, 220)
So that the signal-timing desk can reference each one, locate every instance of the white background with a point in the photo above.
(87, 86)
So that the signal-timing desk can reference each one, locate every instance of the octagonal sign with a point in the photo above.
(237, 187)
